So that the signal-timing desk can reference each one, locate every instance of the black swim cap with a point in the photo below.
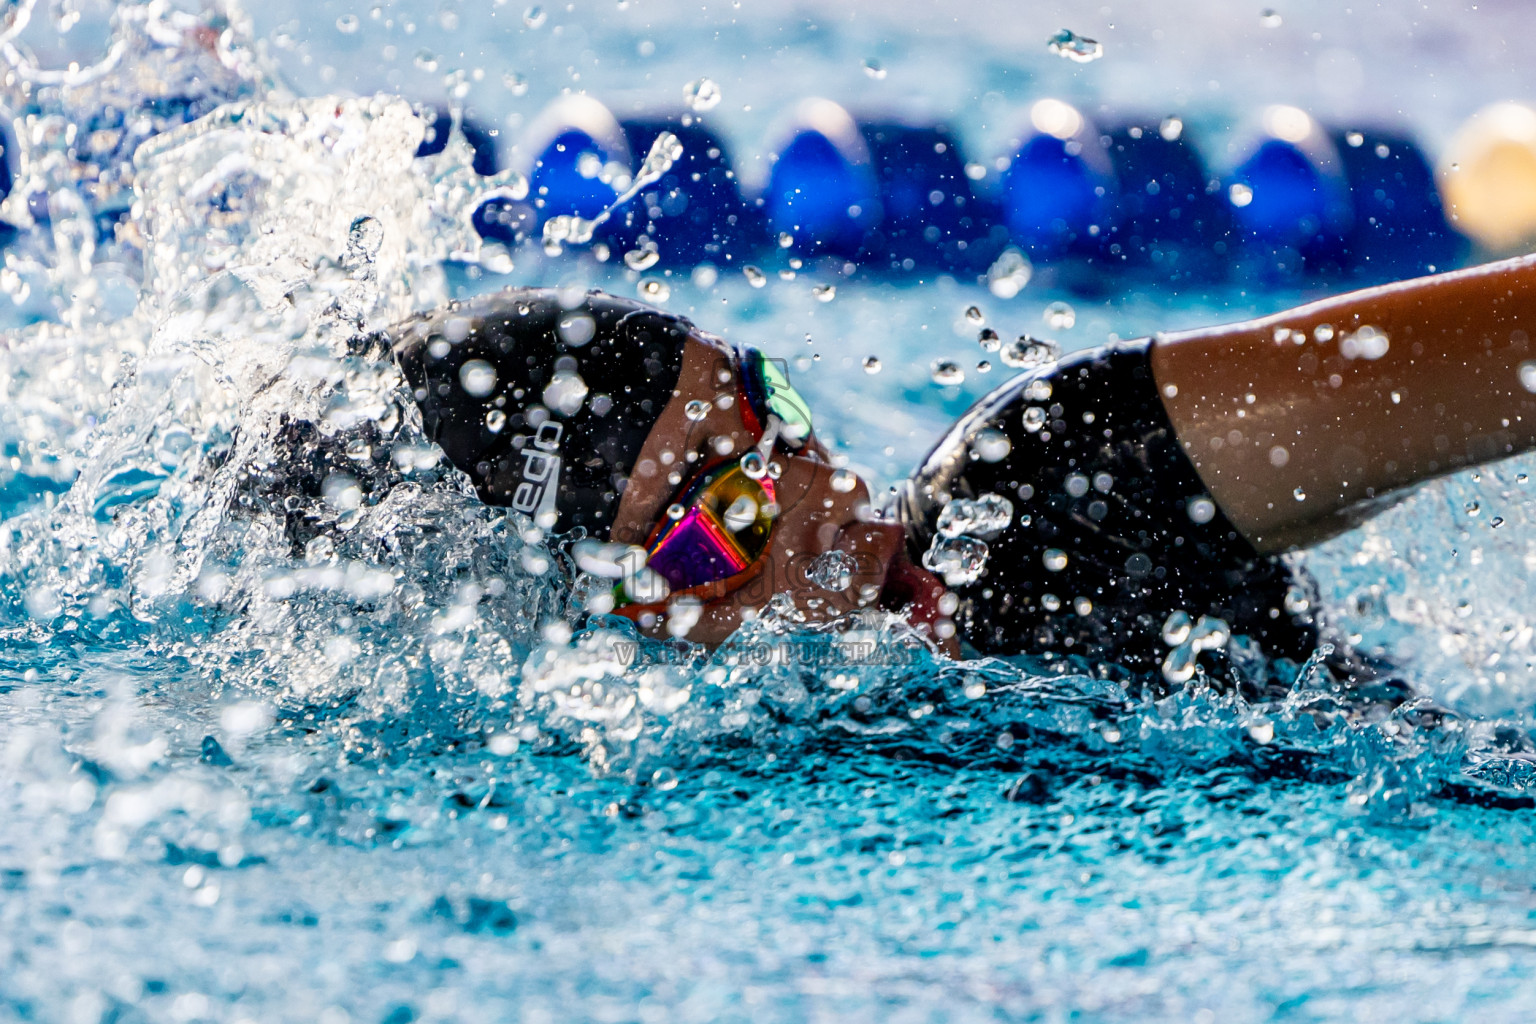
(543, 396)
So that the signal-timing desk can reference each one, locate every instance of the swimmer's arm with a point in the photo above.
(1297, 421)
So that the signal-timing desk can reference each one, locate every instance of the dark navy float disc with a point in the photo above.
(1169, 214)
(1400, 228)
(930, 218)
(696, 212)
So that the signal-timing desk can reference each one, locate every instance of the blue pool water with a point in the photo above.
(378, 778)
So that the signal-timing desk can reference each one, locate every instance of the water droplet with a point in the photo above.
(641, 259)
(825, 292)
(844, 480)
(1366, 343)
(364, 238)
(347, 24)
(426, 60)
(1528, 375)
(1240, 194)
(1210, 633)
(754, 465)
(1179, 665)
(495, 420)
(676, 511)
(1026, 353)
(1054, 559)
(1269, 18)
(577, 331)
(755, 277)
(565, 393)
(696, 410)
(871, 364)
(1034, 419)
(740, 514)
(989, 340)
(984, 517)
(1009, 273)
(1299, 494)
(1322, 332)
(1082, 606)
(831, 570)
(664, 779)
(654, 289)
(477, 377)
(1059, 316)
(1473, 508)
(991, 445)
(1201, 510)
(983, 366)
(701, 94)
(946, 372)
(974, 315)
(515, 83)
(874, 69)
(1073, 47)
(43, 603)
(1171, 129)
(1176, 628)
(534, 17)
(958, 560)
(1296, 601)
(320, 550)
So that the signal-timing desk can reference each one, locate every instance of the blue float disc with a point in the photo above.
(821, 190)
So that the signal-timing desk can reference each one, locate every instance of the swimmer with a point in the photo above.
(1084, 508)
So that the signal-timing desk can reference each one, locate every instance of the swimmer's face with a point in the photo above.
(704, 424)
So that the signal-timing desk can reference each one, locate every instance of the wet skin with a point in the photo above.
(1298, 431)
(814, 516)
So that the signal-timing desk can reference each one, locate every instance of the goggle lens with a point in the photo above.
(721, 527)
(725, 528)
(770, 392)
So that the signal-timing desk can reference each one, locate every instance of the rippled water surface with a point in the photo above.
(295, 729)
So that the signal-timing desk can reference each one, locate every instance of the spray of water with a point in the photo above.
(212, 462)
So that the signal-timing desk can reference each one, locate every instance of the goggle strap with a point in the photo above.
(770, 435)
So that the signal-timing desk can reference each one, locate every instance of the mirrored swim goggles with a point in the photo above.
(716, 533)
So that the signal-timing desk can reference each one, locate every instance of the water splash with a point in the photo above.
(240, 478)
(1027, 353)
(1078, 49)
(570, 229)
